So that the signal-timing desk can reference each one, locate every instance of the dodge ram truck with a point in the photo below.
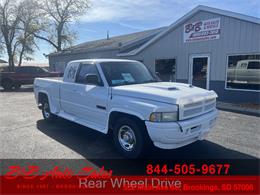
(124, 99)
(245, 71)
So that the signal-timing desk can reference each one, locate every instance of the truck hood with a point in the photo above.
(167, 92)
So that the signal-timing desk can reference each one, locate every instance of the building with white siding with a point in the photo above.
(210, 48)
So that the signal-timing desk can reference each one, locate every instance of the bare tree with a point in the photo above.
(30, 25)
(60, 13)
(9, 20)
(1, 44)
(23, 21)
(18, 24)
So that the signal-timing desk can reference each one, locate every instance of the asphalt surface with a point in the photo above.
(25, 135)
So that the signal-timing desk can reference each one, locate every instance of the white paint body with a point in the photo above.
(78, 103)
(242, 73)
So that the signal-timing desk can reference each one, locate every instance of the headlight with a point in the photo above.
(164, 117)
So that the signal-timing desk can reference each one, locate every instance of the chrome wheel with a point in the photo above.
(46, 110)
(126, 138)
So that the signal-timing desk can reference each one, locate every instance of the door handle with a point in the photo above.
(101, 107)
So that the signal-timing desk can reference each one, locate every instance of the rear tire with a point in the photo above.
(129, 137)
(46, 112)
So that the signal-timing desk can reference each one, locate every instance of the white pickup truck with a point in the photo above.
(245, 71)
(123, 99)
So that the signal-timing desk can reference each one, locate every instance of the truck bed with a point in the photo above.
(49, 86)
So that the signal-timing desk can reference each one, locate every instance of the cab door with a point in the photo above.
(90, 99)
(25, 75)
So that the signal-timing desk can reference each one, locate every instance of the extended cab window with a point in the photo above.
(86, 69)
(243, 65)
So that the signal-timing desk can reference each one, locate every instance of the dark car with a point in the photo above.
(23, 75)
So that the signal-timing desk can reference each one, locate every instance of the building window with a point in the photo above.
(166, 69)
(243, 72)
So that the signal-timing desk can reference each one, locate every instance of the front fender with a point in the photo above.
(125, 111)
(140, 108)
(134, 113)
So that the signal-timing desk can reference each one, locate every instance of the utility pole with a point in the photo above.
(108, 35)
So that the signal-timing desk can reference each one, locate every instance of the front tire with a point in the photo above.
(46, 112)
(129, 137)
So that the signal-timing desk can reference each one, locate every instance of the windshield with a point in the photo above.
(126, 73)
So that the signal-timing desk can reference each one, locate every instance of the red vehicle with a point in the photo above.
(23, 75)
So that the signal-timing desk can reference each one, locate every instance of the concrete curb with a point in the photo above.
(237, 109)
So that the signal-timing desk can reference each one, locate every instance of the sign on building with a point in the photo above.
(203, 30)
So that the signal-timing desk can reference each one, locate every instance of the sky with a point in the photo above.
(128, 16)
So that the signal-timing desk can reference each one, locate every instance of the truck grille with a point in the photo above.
(192, 111)
(197, 108)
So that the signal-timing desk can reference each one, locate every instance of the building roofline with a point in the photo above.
(187, 16)
(82, 51)
(70, 50)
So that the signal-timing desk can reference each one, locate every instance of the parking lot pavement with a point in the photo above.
(24, 135)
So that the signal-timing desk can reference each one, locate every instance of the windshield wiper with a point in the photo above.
(134, 83)
(150, 81)
(125, 83)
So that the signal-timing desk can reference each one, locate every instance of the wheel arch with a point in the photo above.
(115, 114)
(4, 79)
(41, 96)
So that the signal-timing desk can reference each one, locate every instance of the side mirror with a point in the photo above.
(91, 79)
